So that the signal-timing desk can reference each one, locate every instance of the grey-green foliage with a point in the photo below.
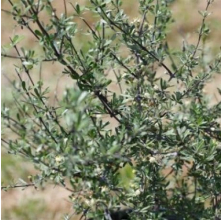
(162, 156)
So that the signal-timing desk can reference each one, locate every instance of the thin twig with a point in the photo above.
(14, 14)
(136, 42)
(17, 186)
(40, 118)
(40, 98)
(201, 30)
(24, 22)
(25, 58)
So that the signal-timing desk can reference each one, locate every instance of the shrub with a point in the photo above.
(135, 135)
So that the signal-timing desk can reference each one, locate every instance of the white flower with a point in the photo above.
(59, 159)
(98, 115)
(156, 87)
(204, 90)
(137, 192)
(152, 160)
(147, 95)
(65, 141)
(136, 20)
(97, 170)
(103, 189)
(187, 102)
(90, 202)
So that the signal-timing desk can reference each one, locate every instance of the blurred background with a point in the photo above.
(52, 202)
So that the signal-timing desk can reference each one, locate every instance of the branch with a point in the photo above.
(17, 186)
(24, 22)
(136, 42)
(25, 58)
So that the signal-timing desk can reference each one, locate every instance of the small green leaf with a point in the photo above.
(38, 33)
(36, 91)
(126, 175)
(74, 76)
(82, 97)
(17, 39)
(78, 9)
(23, 85)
